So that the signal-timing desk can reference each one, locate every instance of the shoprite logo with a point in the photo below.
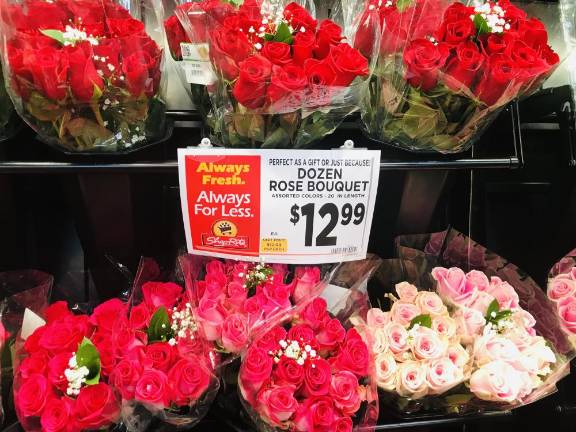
(225, 235)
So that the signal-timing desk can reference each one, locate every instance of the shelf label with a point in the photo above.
(289, 206)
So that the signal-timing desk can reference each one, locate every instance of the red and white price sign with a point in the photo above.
(289, 206)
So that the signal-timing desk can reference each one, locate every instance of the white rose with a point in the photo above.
(492, 347)
(427, 344)
(430, 303)
(443, 375)
(411, 380)
(458, 355)
(380, 341)
(444, 326)
(386, 371)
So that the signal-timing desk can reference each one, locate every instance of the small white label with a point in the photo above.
(30, 323)
(196, 63)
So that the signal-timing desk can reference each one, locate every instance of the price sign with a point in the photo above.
(290, 206)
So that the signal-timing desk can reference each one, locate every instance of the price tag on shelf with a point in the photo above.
(289, 206)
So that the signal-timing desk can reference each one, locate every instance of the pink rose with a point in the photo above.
(269, 341)
(237, 295)
(105, 315)
(560, 288)
(255, 369)
(158, 294)
(430, 304)
(458, 355)
(30, 398)
(302, 333)
(315, 414)
(188, 380)
(495, 347)
(540, 356)
(315, 313)
(567, 313)
(278, 404)
(497, 381)
(278, 298)
(96, 408)
(344, 390)
(56, 415)
(153, 388)
(377, 318)
(477, 280)
(331, 334)
(353, 355)
(125, 376)
(386, 371)
(139, 316)
(234, 333)
(307, 282)
(253, 308)
(524, 319)
(482, 302)
(125, 341)
(316, 377)
(397, 338)
(504, 293)
(211, 315)
(403, 312)
(215, 266)
(288, 372)
(444, 326)
(412, 380)
(159, 355)
(470, 323)
(428, 345)
(342, 424)
(406, 292)
(443, 374)
(453, 287)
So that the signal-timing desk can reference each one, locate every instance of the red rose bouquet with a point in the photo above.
(6, 111)
(284, 79)
(310, 374)
(60, 380)
(234, 301)
(445, 73)
(84, 74)
(163, 365)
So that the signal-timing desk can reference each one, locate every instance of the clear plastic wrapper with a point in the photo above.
(164, 366)
(85, 75)
(561, 291)
(6, 112)
(284, 79)
(445, 70)
(236, 301)
(462, 330)
(314, 371)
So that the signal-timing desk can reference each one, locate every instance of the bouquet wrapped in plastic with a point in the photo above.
(562, 291)
(6, 111)
(86, 75)
(235, 301)
(284, 78)
(314, 372)
(446, 70)
(462, 341)
(164, 368)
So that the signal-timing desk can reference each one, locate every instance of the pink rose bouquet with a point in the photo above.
(309, 374)
(61, 381)
(562, 292)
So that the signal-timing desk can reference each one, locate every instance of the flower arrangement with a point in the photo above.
(59, 382)
(85, 74)
(310, 374)
(284, 79)
(562, 291)
(468, 342)
(438, 85)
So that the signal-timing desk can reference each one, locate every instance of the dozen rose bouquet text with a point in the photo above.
(84, 74)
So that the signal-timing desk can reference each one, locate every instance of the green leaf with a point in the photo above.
(88, 356)
(97, 93)
(421, 320)
(159, 329)
(402, 5)
(269, 37)
(481, 24)
(493, 308)
(283, 34)
(54, 34)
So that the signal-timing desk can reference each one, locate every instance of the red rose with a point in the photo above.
(216, 267)
(549, 56)
(317, 375)
(255, 369)
(315, 313)
(32, 343)
(159, 355)
(514, 15)
(175, 35)
(347, 63)
(277, 404)
(288, 372)
(303, 334)
(62, 336)
(56, 367)
(315, 414)
(125, 376)
(228, 48)
(189, 380)
(321, 74)
(50, 72)
(234, 333)
(35, 364)
(57, 311)
(157, 294)
(423, 60)
(533, 33)
(287, 86)
(303, 47)
(528, 60)
(269, 341)
(299, 17)
(153, 388)
(331, 334)
(193, 348)
(353, 355)
(44, 15)
(497, 43)
(108, 53)
(463, 69)
(457, 12)
(87, 11)
(84, 79)
(126, 341)
(500, 75)
(122, 27)
(454, 33)
(329, 33)
(104, 315)
(30, 398)
(96, 407)
(250, 89)
(277, 52)
(344, 390)
(139, 69)
(56, 415)
(114, 10)
(342, 424)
